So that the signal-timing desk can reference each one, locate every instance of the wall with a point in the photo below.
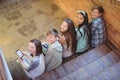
(111, 15)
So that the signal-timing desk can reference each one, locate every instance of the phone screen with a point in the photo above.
(19, 53)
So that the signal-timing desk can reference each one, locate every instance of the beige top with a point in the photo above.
(66, 51)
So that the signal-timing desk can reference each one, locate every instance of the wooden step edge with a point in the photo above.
(117, 51)
(114, 55)
(110, 45)
(105, 47)
(101, 47)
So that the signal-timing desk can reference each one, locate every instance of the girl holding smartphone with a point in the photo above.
(33, 62)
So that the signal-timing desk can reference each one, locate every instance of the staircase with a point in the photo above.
(100, 63)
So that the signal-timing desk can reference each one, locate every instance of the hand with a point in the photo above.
(62, 40)
(19, 60)
(25, 53)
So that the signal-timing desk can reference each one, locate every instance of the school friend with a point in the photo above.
(33, 61)
(68, 38)
(98, 29)
(82, 31)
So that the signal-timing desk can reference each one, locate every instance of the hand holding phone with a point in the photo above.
(19, 53)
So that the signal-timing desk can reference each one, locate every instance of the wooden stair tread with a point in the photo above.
(111, 73)
(109, 59)
(90, 56)
(91, 65)
(95, 53)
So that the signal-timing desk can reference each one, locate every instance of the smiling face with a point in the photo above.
(96, 14)
(80, 19)
(32, 48)
(51, 38)
(64, 27)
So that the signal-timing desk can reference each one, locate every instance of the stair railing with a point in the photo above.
(4, 70)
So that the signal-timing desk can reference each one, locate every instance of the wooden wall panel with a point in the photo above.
(111, 15)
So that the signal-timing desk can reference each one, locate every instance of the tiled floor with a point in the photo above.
(22, 20)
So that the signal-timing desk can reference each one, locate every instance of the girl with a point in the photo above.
(82, 32)
(98, 29)
(68, 38)
(33, 62)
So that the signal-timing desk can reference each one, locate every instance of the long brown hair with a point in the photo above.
(70, 35)
(38, 46)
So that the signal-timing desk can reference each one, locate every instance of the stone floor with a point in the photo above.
(22, 20)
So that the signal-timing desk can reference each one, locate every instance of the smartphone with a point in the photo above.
(19, 53)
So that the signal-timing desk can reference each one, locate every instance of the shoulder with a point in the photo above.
(36, 58)
(56, 43)
(41, 56)
(57, 46)
(98, 20)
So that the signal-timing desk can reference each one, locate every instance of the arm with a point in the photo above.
(29, 63)
(42, 63)
(22, 63)
(34, 63)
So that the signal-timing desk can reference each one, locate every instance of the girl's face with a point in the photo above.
(80, 19)
(96, 14)
(32, 48)
(64, 26)
(51, 38)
